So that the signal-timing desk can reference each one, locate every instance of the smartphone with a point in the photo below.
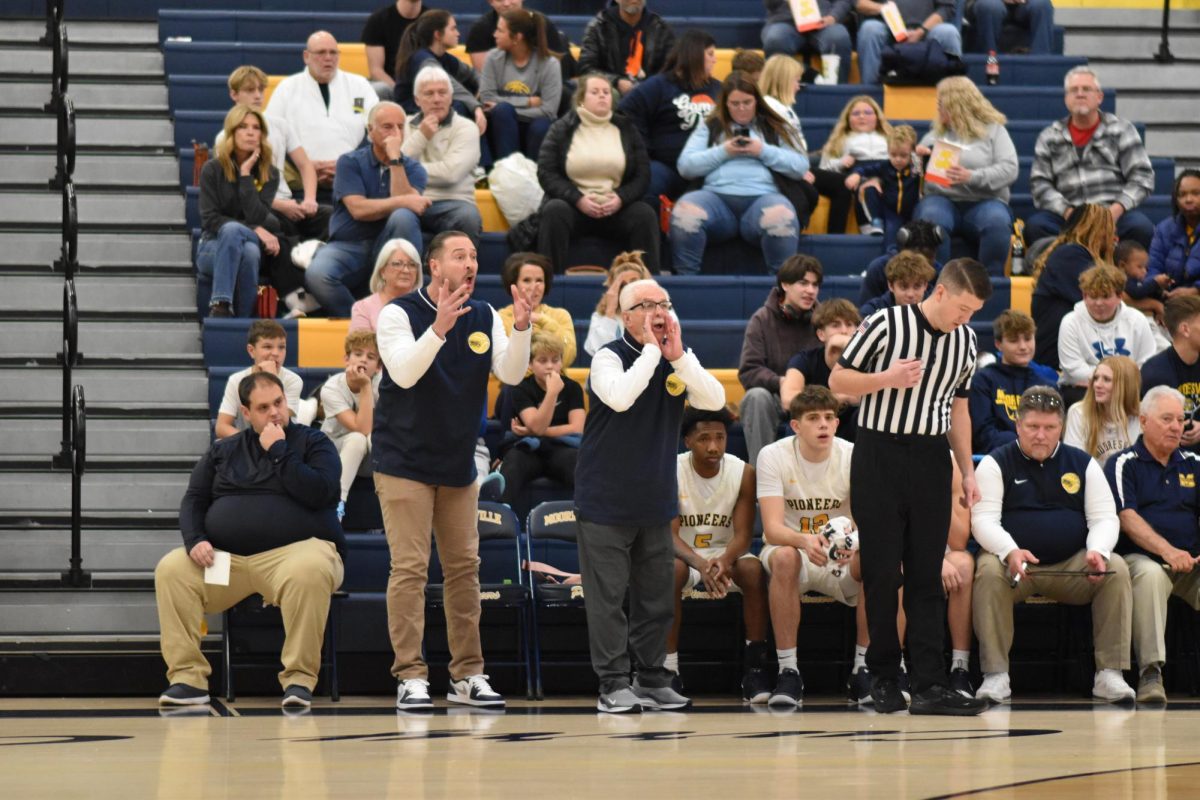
(741, 135)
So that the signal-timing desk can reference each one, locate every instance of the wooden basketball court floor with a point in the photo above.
(362, 748)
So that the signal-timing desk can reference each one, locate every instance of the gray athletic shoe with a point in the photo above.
(662, 698)
(622, 701)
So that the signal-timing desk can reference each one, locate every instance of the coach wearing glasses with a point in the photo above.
(626, 496)
(1047, 505)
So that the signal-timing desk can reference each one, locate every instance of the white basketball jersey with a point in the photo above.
(812, 494)
(706, 504)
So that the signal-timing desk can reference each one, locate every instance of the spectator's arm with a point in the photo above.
(1134, 526)
(990, 430)
(1135, 166)
(775, 529)
(1075, 433)
(550, 88)
(785, 160)
(256, 205)
(406, 357)
(489, 78)
(1100, 511)
(225, 426)
(211, 215)
(985, 515)
(311, 478)
(868, 8)
(752, 366)
(308, 173)
(196, 500)
(375, 70)
(1046, 195)
(1002, 172)
(360, 320)
(704, 391)
(1073, 354)
(617, 387)
(960, 515)
(551, 171)
(743, 516)
(573, 426)
(791, 385)
(630, 191)
(460, 158)
(697, 159)
(636, 107)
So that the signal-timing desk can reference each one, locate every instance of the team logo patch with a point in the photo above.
(479, 342)
(675, 385)
(1070, 482)
(359, 105)
(1188, 481)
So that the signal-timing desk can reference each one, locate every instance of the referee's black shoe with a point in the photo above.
(946, 702)
(886, 694)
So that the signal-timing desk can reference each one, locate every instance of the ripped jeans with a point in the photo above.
(767, 220)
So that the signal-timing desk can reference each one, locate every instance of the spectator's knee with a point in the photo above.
(231, 229)
(171, 566)
(838, 37)
(688, 217)
(778, 220)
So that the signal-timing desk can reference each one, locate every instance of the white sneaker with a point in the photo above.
(995, 688)
(413, 695)
(1110, 685)
(474, 690)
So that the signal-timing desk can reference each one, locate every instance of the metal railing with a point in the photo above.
(76, 576)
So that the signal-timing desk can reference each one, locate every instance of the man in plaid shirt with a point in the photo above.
(1090, 157)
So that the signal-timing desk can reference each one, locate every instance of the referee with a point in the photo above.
(912, 366)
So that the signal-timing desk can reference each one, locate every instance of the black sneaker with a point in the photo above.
(755, 687)
(676, 682)
(960, 682)
(858, 687)
(943, 701)
(789, 690)
(297, 696)
(220, 309)
(180, 694)
(885, 692)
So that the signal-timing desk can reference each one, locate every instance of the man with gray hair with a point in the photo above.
(1154, 483)
(1047, 525)
(324, 105)
(626, 496)
(377, 197)
(1091, 156)
(447, 145)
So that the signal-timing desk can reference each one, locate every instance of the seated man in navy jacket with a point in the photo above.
(1154, 483)
(1046, 504)
(267, 495)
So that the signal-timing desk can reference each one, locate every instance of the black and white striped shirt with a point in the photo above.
(903, 332)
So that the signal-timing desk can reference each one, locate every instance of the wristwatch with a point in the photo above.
(395, 162)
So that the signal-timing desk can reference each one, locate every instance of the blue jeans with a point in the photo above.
(231, 260)
(782, 37)
(664, 179)
(873, 35)
(341, 268)
(987, 224)
(508, 132)
(768, 220)
(1036, 15)
(1133, 224)
(452, 215)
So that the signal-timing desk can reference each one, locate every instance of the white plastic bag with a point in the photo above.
(514, 183)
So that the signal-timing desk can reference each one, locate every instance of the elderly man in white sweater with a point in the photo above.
(447, 145)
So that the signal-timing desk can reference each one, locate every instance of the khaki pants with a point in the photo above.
(1152, 588)
(994, 597)
(410, 510)
(299, 578)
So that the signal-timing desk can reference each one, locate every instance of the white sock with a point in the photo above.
(860, 658)
(787, 659)
(960, 659)
(672, 662)
(903, 666)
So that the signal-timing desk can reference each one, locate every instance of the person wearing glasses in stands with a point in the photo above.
(626, 496)
(397, 272)
(1045, 505)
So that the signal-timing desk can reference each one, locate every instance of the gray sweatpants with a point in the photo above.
(613, 559)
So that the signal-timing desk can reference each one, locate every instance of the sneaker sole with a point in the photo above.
(469, 701)
(784, 702)
(759, 698)
(652, 705)
(163, 700)
(996, 701)
(296, 702)
(1123, 699)
(424, 705)
(600, 706)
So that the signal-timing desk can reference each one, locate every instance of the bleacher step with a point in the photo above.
(127, 132)
(34, 386)
(40, 549)
(108, 293)
(112, 491)
(1128, 43)
(127, 339)
(127, 62)
(78, 612)
(155, 252)
(95, 208)
(1174, 138)
(1160, 106)
(84, 34)
(126, 96)
(1144, 74)
(92, 171)
(107, 437)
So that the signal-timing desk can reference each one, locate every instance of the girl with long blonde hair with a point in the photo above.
(1105, 421)
(859, 136)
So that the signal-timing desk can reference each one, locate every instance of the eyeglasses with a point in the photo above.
(650, 305)
(405, 265)
(1041, 401)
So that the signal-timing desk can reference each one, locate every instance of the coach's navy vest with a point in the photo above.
(625, 474)
(1043, 502)
(427, 433)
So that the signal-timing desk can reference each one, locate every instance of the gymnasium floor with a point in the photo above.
(361, 748)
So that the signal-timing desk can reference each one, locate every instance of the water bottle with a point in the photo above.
(1017, 266)
(993, 68)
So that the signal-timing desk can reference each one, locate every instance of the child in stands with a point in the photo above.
(996, 389)
(908, 276)
(349, 398)
(266, 344)
(889, 190)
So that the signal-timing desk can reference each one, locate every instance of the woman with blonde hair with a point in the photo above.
(779, 83)
(858, 137)
(236, 190)
(397, 272)
(605, 326)
(1105, 421)
(1085, 241)
(974, 203)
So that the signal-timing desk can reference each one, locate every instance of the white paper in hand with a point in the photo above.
(218, 573)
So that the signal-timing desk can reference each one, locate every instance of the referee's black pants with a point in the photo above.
(900, 499)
